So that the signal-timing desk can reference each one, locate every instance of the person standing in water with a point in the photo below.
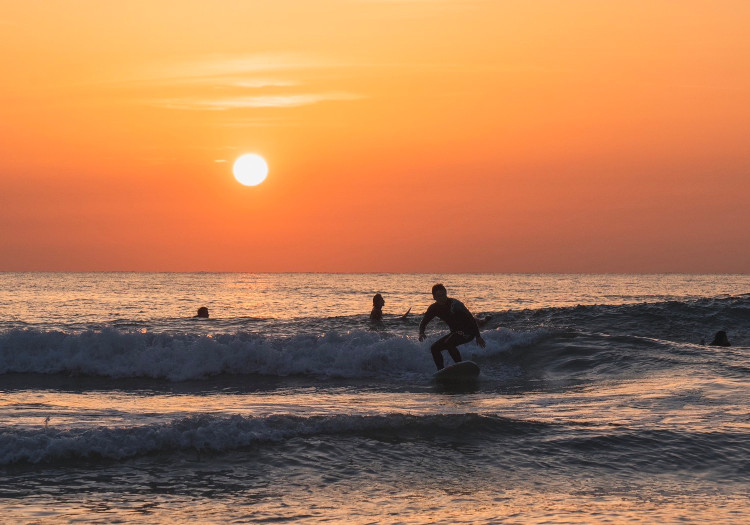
(463, 327)
(376, 315)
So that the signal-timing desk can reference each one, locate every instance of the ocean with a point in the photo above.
(597, 401)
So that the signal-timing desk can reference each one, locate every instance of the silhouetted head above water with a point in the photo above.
(720, 339)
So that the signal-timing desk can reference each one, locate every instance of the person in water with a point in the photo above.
(721, 339)
(376, 315)
(463, 326)
(202, 312)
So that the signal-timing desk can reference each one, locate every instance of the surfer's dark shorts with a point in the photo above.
(452, 340)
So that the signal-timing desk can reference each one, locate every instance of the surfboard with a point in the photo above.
(463, 371)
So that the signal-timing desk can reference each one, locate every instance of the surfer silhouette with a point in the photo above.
(463, 327)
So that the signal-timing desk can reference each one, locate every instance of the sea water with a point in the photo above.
(597, 400)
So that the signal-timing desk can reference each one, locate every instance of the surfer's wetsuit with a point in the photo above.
(463, 328)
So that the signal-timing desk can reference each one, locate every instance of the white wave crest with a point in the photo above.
(109, 353)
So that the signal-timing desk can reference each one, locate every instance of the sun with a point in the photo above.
(250, 169)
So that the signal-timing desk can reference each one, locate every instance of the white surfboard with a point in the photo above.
(465, 370)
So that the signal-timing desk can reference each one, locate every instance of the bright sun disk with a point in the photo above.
(250, 169)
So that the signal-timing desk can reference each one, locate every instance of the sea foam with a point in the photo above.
(111, 353)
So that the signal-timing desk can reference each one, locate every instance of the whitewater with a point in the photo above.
(599, 399)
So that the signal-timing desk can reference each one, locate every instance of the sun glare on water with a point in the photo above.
(250, 169)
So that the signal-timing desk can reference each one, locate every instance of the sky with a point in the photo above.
(401, 135)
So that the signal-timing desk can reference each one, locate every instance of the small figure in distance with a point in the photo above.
(376, 315)
(202, 313)
(721, 339)
(463, 326)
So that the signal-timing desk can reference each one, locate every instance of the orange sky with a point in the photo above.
(401, 135)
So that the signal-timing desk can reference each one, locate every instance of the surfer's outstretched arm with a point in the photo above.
(477, 335)
(475, 327)
(429, 315)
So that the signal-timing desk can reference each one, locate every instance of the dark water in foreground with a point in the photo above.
(596, 401)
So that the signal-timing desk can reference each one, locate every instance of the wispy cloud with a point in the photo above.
(449, 3)
(253, 69)
(257, 83)
(260, 122)
(259, 101)
(430, 5)
(237, 82)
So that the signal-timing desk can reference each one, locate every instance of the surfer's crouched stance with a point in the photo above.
(462, 324)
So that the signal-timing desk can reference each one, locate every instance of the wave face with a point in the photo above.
(588, 339)
(207, 433)
(640, 450)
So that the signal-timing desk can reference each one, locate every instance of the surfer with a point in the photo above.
(463, 326)
(376, 315)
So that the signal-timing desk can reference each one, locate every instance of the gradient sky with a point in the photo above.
(401, 135)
